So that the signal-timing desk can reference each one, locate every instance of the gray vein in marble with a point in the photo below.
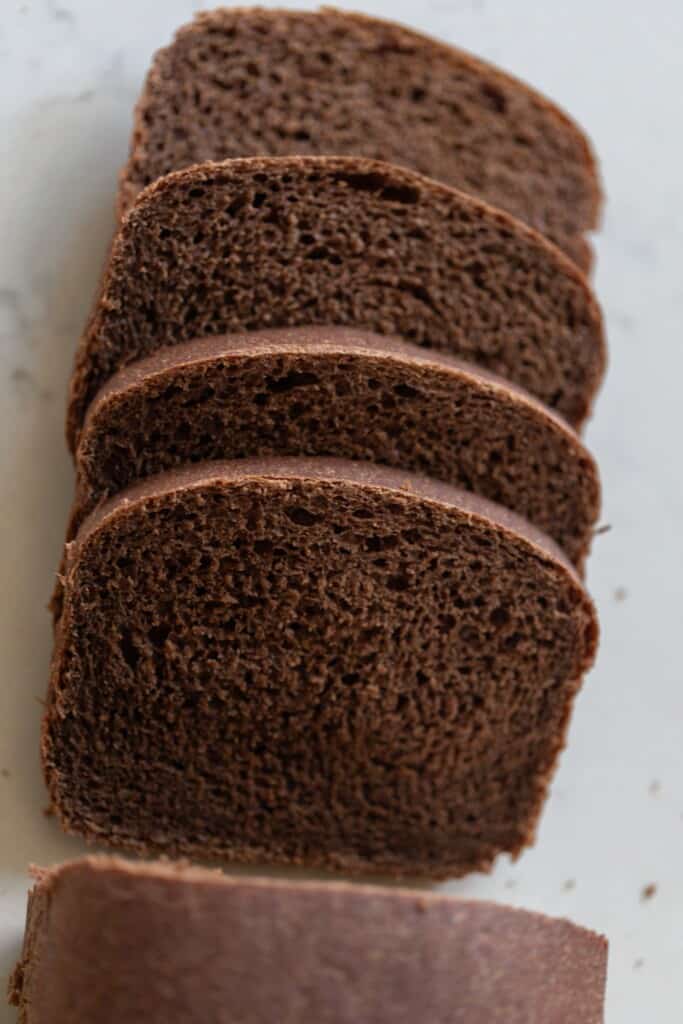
(476, 6)
(59, 13)
(113, 72)
(14, 320)
(60, 99)
(48, 320)
(623, 321)
(27, 385)
(111, 80)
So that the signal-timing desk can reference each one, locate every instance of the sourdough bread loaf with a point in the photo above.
(115, 942)
(252, 82)
(338, 392)
(314, 662)
(297, 242)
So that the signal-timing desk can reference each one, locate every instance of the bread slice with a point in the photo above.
(184, 944)
(337, 391)
(252, 82)
(311, 661)
(296, 242)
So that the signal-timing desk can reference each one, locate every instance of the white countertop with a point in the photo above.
(69, 73)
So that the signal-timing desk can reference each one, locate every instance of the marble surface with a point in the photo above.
(69, 73)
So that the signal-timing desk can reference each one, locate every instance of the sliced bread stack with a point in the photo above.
(321, 601)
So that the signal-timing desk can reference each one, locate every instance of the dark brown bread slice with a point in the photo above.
(335, 391)
(314, 662)
(295, 242)
(240, 83)
(184, 944)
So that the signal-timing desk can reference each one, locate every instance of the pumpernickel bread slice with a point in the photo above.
(253, 82)
(295, 242)
(315, 662)
(337, 391)
(182, 944)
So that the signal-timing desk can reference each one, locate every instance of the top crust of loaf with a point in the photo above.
(298, 241)
(103, 866)
(202, 929)
(250, 82)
